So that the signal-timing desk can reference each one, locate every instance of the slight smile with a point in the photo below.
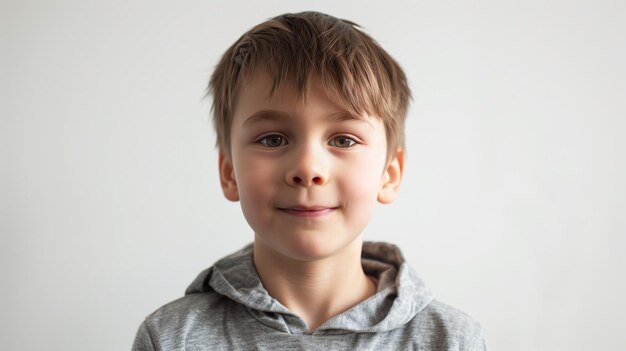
(308, 212)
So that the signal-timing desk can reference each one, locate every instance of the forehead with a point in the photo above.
(254, 94)
(255, 102)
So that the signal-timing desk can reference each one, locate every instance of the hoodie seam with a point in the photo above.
(150, 337)
(247, 308)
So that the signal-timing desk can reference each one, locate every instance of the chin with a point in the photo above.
(314, 247)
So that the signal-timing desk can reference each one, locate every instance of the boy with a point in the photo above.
(309, 113)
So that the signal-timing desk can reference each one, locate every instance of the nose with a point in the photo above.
(308, 167)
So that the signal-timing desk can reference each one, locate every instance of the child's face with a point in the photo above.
(308, 180)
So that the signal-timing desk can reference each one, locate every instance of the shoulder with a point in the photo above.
(181, 322)
(450, 328)
(177, 312)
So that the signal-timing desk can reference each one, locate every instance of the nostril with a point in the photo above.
(300, 181)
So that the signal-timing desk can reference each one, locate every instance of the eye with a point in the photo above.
(342, 141)
(272, 140)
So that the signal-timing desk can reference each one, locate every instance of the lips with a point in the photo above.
(308, 211)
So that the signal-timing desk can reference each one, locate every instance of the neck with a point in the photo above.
(316, 290)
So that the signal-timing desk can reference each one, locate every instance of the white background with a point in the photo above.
(512, 209)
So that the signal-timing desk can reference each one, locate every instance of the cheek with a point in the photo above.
(361, 183)
(254, 181)
(363, 187)
(368, 170)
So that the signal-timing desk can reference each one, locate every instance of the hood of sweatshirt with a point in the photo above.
(400, 295)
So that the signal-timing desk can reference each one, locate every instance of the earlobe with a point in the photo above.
(227, 178)
(392, 177)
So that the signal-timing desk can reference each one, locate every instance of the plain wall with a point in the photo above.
(512, 207)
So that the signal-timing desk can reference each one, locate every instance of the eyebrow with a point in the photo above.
(277, 115)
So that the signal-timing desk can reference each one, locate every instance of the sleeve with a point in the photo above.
(143, 340)
(480, 344)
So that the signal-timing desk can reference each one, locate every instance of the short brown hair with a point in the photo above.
(294, 47)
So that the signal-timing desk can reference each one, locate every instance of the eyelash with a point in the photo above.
(263, 140)
(266, 137)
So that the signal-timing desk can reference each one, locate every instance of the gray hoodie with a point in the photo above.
(227, 308)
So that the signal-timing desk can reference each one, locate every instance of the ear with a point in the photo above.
(392, 176)
(227, 178)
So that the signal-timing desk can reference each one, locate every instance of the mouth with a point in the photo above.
(314, 211)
